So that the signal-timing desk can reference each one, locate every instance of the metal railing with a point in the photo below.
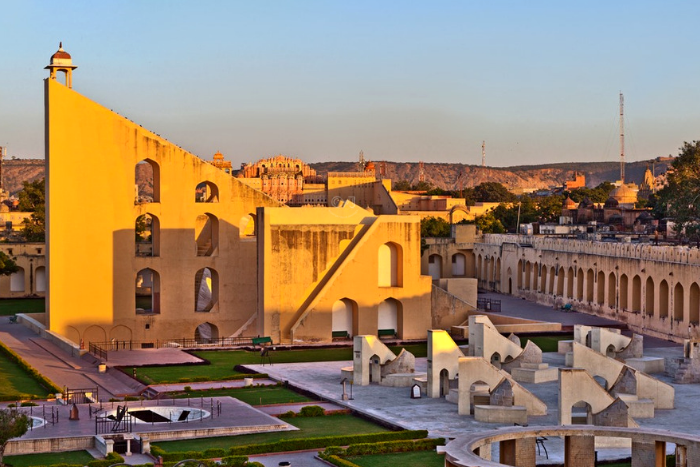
(100, 349)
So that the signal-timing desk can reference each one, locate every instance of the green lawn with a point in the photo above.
(400, 459)
(15, 383)
(312, 427)
(11, 306)
(223, 361)
(254, 396)
(547, 343)
(71, 457)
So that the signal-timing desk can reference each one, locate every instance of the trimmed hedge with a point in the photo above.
(112, 458)
(43, 380)
(336, 455)
(339, 461)
(297, 444)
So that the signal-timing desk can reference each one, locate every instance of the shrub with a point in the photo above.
(312, 411)
(234, 461)
(44, 381)
(339, 461)
(187, 388)
(28, 404)
(214, 452)
(255, 464)
(288, 414)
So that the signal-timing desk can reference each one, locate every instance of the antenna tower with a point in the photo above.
(421, 172)
(483, 153)
(361, 162)
(622, 138)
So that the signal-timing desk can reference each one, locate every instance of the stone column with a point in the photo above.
(518, 452)
(649, 454)
(681, 456)
(579, 451)
(485, 451)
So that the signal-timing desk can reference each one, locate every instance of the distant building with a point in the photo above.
(579, 181)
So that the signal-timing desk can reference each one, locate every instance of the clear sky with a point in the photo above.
(401, 80)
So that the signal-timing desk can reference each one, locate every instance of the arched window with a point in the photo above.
(694, 305)
(40, 279)
(389, 267)
(206, 333)
(435, 267)
(17, 281)
(206, 234)
(663, 299)
(206, 192)
(623, 291)
(649, 295)
(147, 292)
(206, 289)
(147, 182)
(636, 294)
(147, 230)
(678, 302)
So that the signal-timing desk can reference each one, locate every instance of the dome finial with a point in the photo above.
(60, 45)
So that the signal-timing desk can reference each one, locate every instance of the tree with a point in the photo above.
(493, 192)
(488, 223)
(679, 199)
(434, 227)
(7, 265)
(402, 185)
(13, 424)
(32, 199)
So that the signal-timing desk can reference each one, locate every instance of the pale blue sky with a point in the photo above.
(401, 80)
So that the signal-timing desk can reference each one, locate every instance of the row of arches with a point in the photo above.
(204, 333)
(148, 295)
(345, 316)
(459, 265)
(655, 298)
(18, 280)
(206, 233)
(147, 182)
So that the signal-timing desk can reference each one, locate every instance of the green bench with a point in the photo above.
(340, 334)
(262, 340)
(386, 332)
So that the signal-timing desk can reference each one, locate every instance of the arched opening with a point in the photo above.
(388, 316)
(579, 285)
(581, 413)
(590, 277)
(663, 299)
(610, 351)
(435, 266)
(444, 382)
(343, 316)
(459, 265)
(520, 274)
(496, 360)
(147, 182)
(678, 302)
(694, 304)
(570, 283)
(552, 276)
(543, 280)
(510, 286)
(389, 265)
(560, 282)
(206, 192)
(528, 275)
(206, 333)
(206, 289)
(17, 280)
(649, 296)
(40, 275)
(637, 294)
(601, 288)
(375, 369)
(611, 289)
(94, 333)
(147, 292)
(248, 226)
(147, 230)
(497, 275)
(120, 333)
(623, 292)
(206, 234)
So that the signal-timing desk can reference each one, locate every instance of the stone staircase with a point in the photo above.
(204, 249)
(150, 393)
(684, 373)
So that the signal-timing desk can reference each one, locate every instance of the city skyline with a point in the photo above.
(402, 82)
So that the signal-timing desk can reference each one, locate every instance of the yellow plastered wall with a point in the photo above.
(92, 266)
(308, 265)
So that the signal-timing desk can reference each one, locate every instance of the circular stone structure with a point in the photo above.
(162, 414)
(37, 422)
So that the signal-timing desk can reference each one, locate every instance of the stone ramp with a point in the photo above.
(64, 370)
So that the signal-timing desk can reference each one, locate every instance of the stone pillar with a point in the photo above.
(681, 456)
(579, 451)
(485, 451)
(519, 452)
(649, 454)
(145, 444)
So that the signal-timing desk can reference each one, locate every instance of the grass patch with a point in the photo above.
(264, 395)
(15, 383)
(50, 458)
(223, 362)
(313, 427)
(547, 343)
(400, 459)
(12, 306)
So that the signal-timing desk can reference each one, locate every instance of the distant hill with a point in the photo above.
(441, 175)
(444, 175)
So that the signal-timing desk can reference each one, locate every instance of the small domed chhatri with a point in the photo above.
(61, 61)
